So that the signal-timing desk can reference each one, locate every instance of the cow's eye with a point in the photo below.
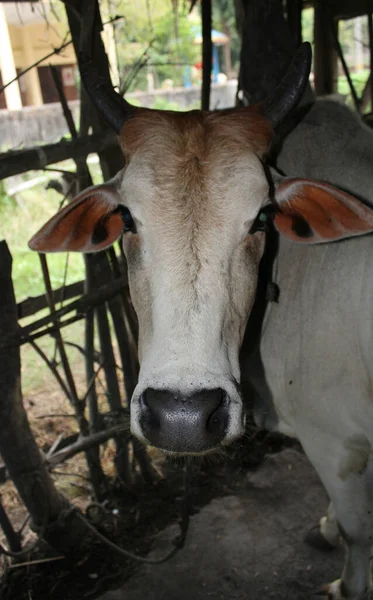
(263, 219)
(128, 222)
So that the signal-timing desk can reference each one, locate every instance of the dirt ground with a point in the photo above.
(247, 546)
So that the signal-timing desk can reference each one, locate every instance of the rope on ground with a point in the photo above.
(178, 542)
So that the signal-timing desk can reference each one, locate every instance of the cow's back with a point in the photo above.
(331, 144)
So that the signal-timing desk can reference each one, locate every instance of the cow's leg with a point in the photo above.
(325, 535)
(347, 474)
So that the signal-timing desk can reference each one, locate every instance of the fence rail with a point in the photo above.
(17, 162)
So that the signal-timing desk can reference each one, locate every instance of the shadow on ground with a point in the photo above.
(248, 546)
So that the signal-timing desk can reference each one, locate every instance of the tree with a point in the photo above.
(158, 35)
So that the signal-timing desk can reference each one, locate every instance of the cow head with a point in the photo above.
(191, 202)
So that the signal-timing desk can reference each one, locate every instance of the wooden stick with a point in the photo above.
(18, 448)
(65, 108)
(85, 443)
(35, 303)
(21, 161)
(370, 29)
(81, 306)
(13, 538)
(206, 53)
(36, 562)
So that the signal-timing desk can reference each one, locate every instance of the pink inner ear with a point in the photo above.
(314, 212)
(90, 223)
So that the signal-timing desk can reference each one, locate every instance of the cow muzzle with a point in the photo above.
(184, 424)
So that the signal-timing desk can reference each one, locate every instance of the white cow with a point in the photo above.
(193, 201)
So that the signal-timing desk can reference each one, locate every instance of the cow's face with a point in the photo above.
(194, 185)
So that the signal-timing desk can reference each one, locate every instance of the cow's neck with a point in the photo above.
(267, 292)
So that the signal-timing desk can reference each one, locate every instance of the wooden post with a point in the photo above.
(13, 538)
(267, 48)
(77, 14)
(294, 14)
(206, 54)
(325, 56)
(8, 68)
(370, 29)
(18, 448)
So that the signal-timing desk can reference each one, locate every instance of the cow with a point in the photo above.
(193, 206)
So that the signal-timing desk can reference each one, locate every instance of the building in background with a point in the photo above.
(28, 32)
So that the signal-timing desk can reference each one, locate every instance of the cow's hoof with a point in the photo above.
(334, 591)
(316, 539)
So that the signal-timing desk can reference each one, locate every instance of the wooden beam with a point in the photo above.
(325, 57)
(35, 303)
(21, 161)
(267, 48)
(294, 16)
(343, 9)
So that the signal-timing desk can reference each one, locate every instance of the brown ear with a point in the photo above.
(313, 212)
(89, 223)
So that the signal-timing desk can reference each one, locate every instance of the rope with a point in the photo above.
(178, 542)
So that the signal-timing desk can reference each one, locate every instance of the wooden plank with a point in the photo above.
(80, 306)
(325, 57)
(35, 303)
(21, 161)
(342, 9)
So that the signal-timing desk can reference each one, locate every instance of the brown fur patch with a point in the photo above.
(197, 134)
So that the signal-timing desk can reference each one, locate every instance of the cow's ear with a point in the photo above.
(313, 212)
(91, 222)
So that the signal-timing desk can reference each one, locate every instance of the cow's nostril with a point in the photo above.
(181, 423)
(149, 417)
(217, 422)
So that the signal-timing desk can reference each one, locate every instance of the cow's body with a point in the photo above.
(316, 348)
(194, 202)
(331, 143)
(317, 354)
(326, 291)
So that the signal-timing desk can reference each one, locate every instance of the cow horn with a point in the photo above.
(115, 109)
(288, 93)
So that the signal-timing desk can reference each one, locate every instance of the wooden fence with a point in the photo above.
(102, 302)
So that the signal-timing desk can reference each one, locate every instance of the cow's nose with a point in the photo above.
(184, 424)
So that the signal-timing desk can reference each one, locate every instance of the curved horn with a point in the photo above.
(115, 109)
(288, 93)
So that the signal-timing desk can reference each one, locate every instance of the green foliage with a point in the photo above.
(163, 104)
(18, 222)
(359, 80)
(5, 200)
(163, 36)
(350, 37)
(224, 19)
(307, 25)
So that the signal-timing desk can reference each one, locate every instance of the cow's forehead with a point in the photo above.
(186, 162)
(196, 132)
